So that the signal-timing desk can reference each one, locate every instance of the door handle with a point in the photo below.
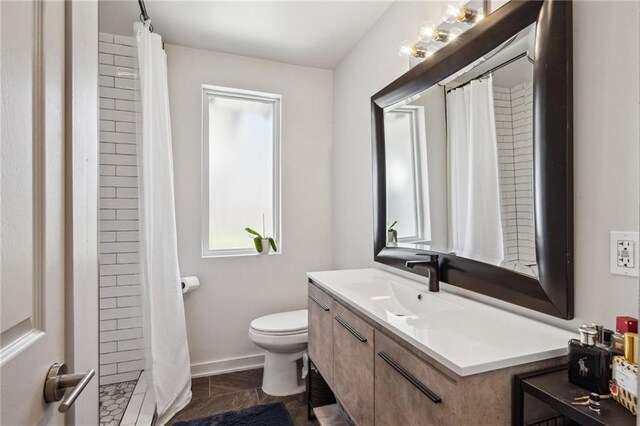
(57, 382)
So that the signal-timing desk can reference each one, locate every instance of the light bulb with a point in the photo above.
(431, 50)
(406, 48)
(425, 32)
(454, 33)
(450, 13)
(440, 35)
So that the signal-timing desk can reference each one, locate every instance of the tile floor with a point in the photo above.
(142, 405)
(113, 402)
(235, 391)
(127, 404)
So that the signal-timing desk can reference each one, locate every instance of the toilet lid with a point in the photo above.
(282, 322)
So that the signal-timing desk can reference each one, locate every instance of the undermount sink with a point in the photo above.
(398, 299)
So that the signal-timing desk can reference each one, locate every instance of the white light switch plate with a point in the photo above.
(624, 253)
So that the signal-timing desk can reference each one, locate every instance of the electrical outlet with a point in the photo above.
(624, 253)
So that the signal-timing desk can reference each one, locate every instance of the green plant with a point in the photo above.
(257, 240)
(393, 231)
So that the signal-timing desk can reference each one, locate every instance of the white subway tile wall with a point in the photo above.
(514, 130)
(506, 172)
(121, 334)
(522, 116)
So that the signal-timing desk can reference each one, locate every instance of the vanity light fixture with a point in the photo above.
(431, 50)
(426, 30)
(440, 35)
(453, 13)
(408, 48)
(454, 33)
(429, 32)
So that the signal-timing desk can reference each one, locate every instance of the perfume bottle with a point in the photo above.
(589, 362)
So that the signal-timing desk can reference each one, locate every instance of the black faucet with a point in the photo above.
(430, 264)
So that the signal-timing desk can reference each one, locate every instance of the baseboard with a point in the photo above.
(230, 365)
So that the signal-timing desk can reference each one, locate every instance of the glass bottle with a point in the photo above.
(589, 362)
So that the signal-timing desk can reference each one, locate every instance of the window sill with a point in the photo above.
(238, 254)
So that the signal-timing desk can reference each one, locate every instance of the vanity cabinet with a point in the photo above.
(321, 320)
(353, 359)
(408, 391)
(383, 380)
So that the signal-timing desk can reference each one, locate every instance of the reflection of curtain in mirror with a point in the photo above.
(476, 229)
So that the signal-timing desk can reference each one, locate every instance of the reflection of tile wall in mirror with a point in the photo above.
(514, 114)
(504, 135)
(522, 109)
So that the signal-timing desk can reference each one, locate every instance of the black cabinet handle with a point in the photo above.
(319, 302)
(351, 330)
(415, 382)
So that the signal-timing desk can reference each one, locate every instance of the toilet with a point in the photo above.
(284, 338)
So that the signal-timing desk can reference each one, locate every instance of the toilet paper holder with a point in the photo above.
(188, 284)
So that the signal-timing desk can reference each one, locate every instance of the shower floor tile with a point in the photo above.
(113, 402)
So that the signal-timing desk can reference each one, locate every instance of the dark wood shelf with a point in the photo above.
(552, 387)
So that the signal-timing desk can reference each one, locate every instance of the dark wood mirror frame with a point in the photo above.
(552, 293)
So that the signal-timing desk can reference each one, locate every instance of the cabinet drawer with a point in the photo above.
(408, 391)
(321, 332)
(353, 347)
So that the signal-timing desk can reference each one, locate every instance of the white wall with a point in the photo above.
(606, 87)
(235, 290)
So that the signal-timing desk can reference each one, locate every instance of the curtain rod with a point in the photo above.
(496, 68)
(143, 11)
(144, 16)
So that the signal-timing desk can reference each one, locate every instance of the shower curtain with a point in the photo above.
(165, 329)
(476, 225)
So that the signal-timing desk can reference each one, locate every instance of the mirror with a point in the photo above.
(459, 161)
(472, 160)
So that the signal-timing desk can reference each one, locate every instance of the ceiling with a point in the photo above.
(310, 33)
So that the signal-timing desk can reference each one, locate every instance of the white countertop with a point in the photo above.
(466, 336)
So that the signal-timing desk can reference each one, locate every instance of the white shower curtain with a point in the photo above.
(165, 330)
(476, 225)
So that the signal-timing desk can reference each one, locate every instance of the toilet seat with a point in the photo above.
(281, 324)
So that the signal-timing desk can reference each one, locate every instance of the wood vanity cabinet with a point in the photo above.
(353, 349)
(382, 380)
(408, 391)
(321, 320)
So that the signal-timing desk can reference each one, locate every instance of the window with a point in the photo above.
(407, 197)
(241, 166)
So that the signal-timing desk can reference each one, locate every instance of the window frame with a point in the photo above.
(416, 118)
(231, 93)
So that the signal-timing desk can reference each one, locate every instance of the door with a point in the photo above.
(32, 207)
(37, 326)
(353, 342)
(321, 332)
